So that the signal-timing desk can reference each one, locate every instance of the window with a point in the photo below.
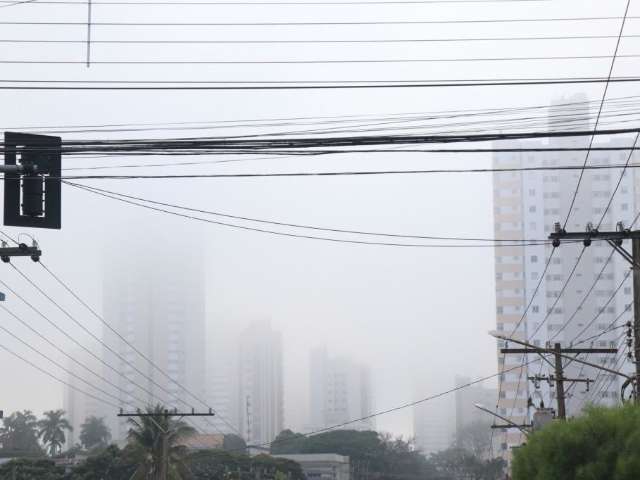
(499, 310)
(624, 207)
(532, 209)
(534, 259)
(535, 309)
(532, 192)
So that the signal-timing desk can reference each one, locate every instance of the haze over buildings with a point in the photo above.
(340, 391)
(155, 299)
(260, 381)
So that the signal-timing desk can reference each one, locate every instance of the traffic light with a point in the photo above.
(32, 185)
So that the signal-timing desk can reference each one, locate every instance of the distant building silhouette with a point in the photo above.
(340, 391)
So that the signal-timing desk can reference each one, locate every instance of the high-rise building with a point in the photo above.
(434, 425)
(260, 384)
(154, 298)
(222, 383)
(340, 391)
(526, 206)
(79, 406)
(466, 399)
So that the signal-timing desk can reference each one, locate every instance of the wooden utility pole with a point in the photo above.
(616, 239)
(635, 249)
(562, 408)
(559, 353)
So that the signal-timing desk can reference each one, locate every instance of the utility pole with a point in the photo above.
(635, 249)
(562, 408)
(615, 239)
(559, 353)
(166, 414)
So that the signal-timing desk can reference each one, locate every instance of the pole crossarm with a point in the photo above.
(623, 234)
(168, 414)
(564, 350)
(534, 349)
(519, 427)
(21, 250)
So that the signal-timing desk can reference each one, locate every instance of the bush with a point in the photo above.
(602, 444)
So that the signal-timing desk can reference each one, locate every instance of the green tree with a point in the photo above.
(31, 469)
(111, 463)
(475, 438)
(51, 430)
(223, 465)
(94, 433)
(146, 436)
(456, 463)
(288, 442)
(604, 443)
(370, 453)
(233, 443)
(19, 436)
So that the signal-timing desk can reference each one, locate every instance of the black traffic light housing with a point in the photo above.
(32, 193)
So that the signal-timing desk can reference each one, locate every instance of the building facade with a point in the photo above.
(340, 391)
(434, 424)
(322, 466)
(155, 300)
(526, 206)
(260, 384)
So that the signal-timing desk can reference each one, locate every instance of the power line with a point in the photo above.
(322, 23)
(615, 190)
(337, 174)
(311, 227)
(315, 120)
(123, 339)
(95, 337)
(73, 387)
(151, 85)
(59, 349)
(75, 341)
(312, 3)
(57, 364)
(313, 61)
(604, 95)
(274, 232)
(133, 366)
(400, 407)
(14, 3)
(321, 40)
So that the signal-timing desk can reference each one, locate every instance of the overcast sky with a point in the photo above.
(417, 316)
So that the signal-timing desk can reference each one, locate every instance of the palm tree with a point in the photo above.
(147, 436)
(19, 434)
(51, 430)
(94, 433)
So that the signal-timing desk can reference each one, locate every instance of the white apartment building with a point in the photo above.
(154, 297)
(260, 383)
(340, 391)
(526, 206)
(434, 424)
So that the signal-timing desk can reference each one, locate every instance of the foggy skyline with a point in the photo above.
(415, 316)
